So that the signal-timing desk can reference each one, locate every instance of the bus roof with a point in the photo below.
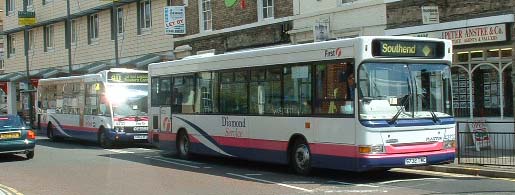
(348, 48)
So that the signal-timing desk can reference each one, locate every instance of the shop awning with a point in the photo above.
(49, 73)
(92, 68)
(142, 62)
(7, 77)
(17, 77)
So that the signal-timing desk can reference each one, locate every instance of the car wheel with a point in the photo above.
(300, 156)
(104, 140)
(183, 145)
(30, 155)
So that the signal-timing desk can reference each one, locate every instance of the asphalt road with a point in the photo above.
(73, 167)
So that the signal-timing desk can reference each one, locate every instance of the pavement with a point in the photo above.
(504, 171)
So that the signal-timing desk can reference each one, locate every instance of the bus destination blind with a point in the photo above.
(396, 48)
(124, 77)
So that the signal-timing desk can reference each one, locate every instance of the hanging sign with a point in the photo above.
(430, 15)
(175, 20)
(26, 18)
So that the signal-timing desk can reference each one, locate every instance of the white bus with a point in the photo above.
(302, 105)
(108, 107)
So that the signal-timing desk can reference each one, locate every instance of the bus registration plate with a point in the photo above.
(140, 137)
(415, 161)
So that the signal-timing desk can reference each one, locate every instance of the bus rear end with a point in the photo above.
(405, 105)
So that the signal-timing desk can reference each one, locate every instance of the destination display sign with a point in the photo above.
(127, 77)
(399, 48)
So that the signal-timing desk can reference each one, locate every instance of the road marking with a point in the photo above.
(354, 191)
(184, 161)
(271, 182)
(119, 151)
(360, 185)
(8, 190)
(172, 162)
(431, 173)
(253, 174)
(407, 180)
(145, 149)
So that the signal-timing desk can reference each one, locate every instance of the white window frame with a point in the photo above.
(143, 18)
(30, 5)
(12, 45)
(12, 7)
(74, 32)
(94, 27)
(31, 40)
(262, 7)
(120, 21)
(49, 38)
(205, 25)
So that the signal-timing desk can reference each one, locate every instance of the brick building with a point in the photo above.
(482, 34)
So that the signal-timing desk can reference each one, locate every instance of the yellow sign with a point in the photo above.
(26, 21)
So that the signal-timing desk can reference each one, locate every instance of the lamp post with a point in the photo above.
(68, 33)
(28, 91)
(115, 26)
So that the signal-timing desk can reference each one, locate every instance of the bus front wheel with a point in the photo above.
(103, 139)
(183, 145)
(300, 157)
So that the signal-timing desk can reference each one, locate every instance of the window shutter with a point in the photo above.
(113, 27)
(89, 30)
(44, 38)
(169, 2)
(44, 2)
(67, 31)
(138, 23)
(9, 46)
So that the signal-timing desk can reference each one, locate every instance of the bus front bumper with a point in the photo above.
(129, 137)
(371, 162)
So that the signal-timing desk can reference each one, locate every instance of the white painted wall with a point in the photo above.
(345, 19)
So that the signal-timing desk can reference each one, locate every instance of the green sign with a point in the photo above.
(26, 18)
(127, 77)
(399, 48)
(230, 3)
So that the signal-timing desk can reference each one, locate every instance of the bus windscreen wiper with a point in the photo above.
(403, 106)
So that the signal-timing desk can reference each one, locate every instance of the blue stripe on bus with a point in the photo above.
(406, 122)
(201, 131)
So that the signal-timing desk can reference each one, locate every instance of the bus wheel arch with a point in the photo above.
(183, 143)
(103, 139)
(299, 154)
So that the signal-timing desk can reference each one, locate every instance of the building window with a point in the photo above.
(11, 44)
(145, 16)
(206, 20)
(47, 1)
(30, 5)
(75, 32)
(31, 39)
(49, 37)
(265, 9)
(11, 7)
(119, 20)
(93, 24)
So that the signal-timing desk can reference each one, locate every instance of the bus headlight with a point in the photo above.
(373, 149)
(447, 144)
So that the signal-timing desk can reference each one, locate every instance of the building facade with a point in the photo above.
(482, 33)
(316, 20)
(139, 25)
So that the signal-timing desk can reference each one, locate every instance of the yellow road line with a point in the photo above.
(505, 179)
(10, 190)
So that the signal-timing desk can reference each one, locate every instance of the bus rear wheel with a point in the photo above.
(183, 145)
(300, 156)
(51, 132)
(103, 139)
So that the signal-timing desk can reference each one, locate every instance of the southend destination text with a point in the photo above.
(399, 49)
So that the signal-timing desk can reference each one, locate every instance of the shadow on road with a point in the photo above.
(218, 166)
(12, 157)
(81, 144)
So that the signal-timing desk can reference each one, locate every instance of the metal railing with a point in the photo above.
(483, 145)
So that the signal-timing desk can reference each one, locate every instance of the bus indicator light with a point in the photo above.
(307, 125)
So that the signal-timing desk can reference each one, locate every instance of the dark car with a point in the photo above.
(16, 137)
